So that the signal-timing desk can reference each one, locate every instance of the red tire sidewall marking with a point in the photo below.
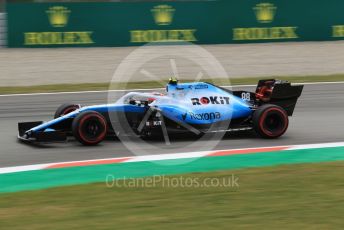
(262, 119)
(69, 110)
(101, 119)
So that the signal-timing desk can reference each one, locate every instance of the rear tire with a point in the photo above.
(89, 128)
(270, 121)
(65, 109)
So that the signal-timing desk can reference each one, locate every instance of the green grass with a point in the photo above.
(153, 84)
(305, 196)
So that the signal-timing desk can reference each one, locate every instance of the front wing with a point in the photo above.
(48, 135)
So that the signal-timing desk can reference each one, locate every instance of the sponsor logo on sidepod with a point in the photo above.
(210, 100)
(203, 116)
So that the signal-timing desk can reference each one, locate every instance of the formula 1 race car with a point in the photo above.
(197, 107)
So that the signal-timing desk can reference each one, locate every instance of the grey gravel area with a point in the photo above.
(23, 67)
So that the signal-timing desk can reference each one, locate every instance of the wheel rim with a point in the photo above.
(274, 122)
(92, 129)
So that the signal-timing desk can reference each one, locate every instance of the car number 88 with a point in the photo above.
(246, 96)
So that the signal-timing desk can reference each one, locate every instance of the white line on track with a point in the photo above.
(317, 146)
(152, 89)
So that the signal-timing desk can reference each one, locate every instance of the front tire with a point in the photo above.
(270, 121)
(65, 109)
(89, 128)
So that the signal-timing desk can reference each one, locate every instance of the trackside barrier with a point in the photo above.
(3, 35)
(85, 24)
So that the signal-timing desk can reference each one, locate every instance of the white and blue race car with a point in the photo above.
(195, 108)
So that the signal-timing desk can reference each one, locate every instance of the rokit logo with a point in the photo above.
(203, 116)
(210, 100)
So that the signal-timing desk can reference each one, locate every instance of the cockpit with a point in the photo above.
(141, 99)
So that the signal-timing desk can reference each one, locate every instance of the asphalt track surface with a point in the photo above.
(318, 118)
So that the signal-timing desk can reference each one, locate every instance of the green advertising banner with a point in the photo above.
(201, 22)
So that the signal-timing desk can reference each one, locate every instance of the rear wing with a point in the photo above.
(272, 91)
(278, 92)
